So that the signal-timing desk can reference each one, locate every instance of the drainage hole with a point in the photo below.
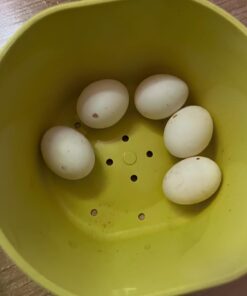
(125, 138)
(149, 153)
(94, 212)
(134, 178)
(109, 162)
(77, 125)
(141, 216)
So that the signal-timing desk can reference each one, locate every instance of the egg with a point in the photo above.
(188, 132)
(192, 180)
(103, 103)
(159, 96)
(67, 153)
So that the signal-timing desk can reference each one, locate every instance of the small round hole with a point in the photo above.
(149, 154)
(134, 178)
(109, 162)
(77, 125)
(94, 212)
(198, 158)
(125, 138)
(141, 216)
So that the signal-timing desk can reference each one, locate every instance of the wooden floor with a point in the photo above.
(12, 14)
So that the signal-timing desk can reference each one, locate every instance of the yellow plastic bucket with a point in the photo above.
(114, 233)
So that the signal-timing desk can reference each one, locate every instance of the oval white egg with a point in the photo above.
(188, 132)
(103, 103)
(67, 153)
(192, 180)
(159, 96)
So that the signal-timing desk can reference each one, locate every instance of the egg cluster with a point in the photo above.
(187, 133)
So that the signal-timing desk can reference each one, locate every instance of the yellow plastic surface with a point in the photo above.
(108, 235)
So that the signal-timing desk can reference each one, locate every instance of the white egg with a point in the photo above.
(159, 96)
(188, 132)
(103, 103)
(67, 153)
(192, 180)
